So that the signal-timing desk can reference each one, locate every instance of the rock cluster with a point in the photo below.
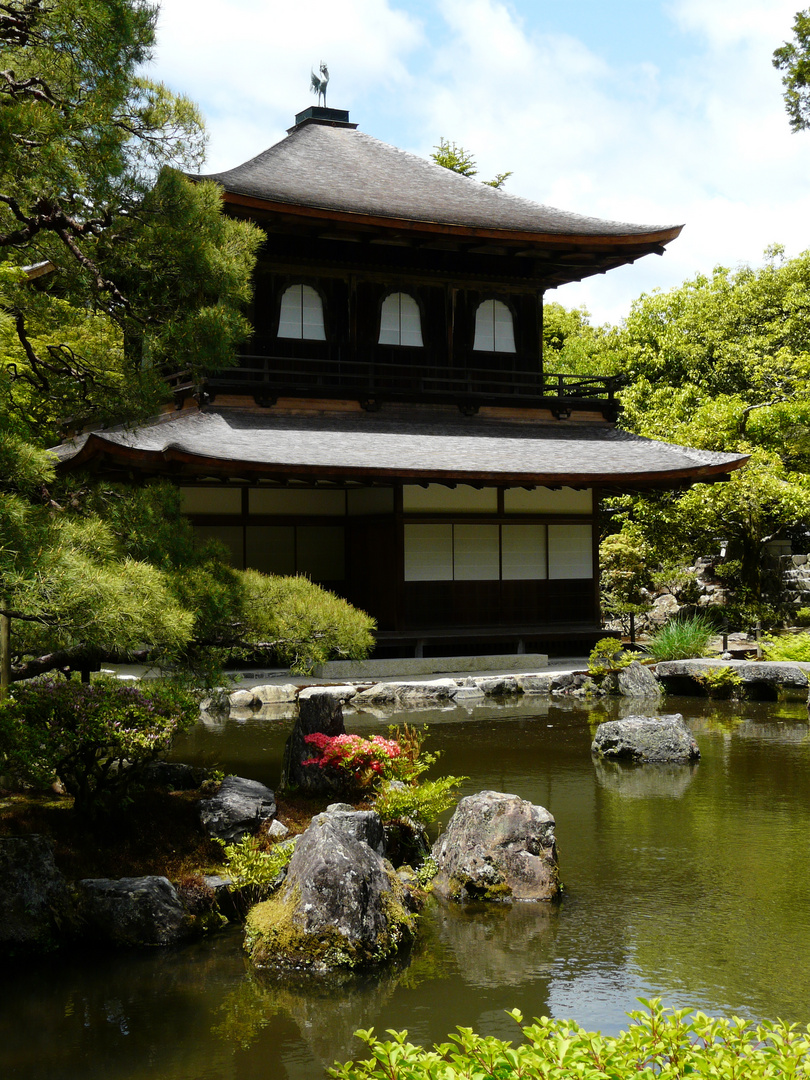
(239, 807)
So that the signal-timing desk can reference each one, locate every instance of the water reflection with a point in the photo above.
(688, 883)
(653, 781)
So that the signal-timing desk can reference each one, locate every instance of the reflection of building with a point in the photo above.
(390, 430)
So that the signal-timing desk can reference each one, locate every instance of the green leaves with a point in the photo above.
(661, 1044)
(794, 59)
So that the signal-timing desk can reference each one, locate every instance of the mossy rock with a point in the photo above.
(341, 906)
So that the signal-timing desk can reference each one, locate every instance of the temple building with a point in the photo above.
(390, 430)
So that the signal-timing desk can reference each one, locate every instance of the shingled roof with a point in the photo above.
(229, 442)
(337, 169)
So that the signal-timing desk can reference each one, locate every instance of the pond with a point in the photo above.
(687, 883)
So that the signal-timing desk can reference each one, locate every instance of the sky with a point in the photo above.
(655, 112)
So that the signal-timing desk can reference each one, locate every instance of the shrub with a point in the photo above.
(95, 737)
(721, 682)
(421, 803)
(802, 616)
(789, 647)
(608, 655)
(681, 639)
(255, 870)
(301, 623)
(661, 1043)
(390, 770)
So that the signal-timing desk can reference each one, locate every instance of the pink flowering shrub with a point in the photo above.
(362, 760)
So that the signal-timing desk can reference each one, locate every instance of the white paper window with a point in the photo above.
(204, 500)
(523, 552)
(303, 502)
(428, 552)
(400, 321)
(494, 328)
(475, 550)
(570, 551)
(301, 314)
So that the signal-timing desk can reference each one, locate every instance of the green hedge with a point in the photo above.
(661, 1044)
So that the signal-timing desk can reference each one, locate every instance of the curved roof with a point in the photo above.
(233, 442)
(339, 170)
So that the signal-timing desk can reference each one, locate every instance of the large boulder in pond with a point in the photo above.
(135, 911)
(341, 905)
(497, 847)
(646, 739)
(36, 906)
(239, 807)
(320, 711)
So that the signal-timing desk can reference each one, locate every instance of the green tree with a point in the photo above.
(459, 160)
(130, 265)
(793, 58)
(114, 268)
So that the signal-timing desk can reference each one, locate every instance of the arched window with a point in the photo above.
(400, 322)
(494, 328)
(301, 314)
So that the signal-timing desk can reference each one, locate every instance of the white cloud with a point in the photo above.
(699, 137)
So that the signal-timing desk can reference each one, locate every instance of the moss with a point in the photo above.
(273, 939)
(460, 890)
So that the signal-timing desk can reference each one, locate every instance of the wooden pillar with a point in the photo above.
(5, 655)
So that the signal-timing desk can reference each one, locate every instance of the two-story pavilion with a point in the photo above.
(390, 430)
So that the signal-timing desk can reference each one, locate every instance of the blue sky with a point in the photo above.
(650, 111)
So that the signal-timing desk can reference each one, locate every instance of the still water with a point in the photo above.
(688, 883)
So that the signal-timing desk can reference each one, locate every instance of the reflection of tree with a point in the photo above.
(650, 781)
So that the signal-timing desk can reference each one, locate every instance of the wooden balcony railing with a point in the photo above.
(397, 375)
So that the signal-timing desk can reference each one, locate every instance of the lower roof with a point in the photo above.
(231, 443)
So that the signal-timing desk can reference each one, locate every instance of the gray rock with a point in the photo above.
(335, 807)
(364, 826)
(638, 681)
(217, 703)
(340, 905)
(276, 695)
(36, 907)
(320, 709)
(497, 847)
(468, 693)
(499, 685)
(646, 739)
(135, 911)
(276, 830)
(243, 699)
(534, 684)
(239, 807)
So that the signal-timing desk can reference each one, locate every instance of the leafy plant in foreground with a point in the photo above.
(95, 737)
(681, 639)
(254, 870)
(664, 1044)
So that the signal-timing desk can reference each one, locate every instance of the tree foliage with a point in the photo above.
(461, 161)
(793, 58)
(113, 263)
(720, 363)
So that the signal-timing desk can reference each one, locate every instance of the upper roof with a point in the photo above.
(337, 170)
(365, 447)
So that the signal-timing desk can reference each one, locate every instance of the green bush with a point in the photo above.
(608, 655)
(421, 803)
(662, 1044)
(302, 624)
(721, 682)
(802, 616)
(681, 639)
(254, 869)
(95, 737)
(789, 647)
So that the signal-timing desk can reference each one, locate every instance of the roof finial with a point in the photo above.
(319, 82)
